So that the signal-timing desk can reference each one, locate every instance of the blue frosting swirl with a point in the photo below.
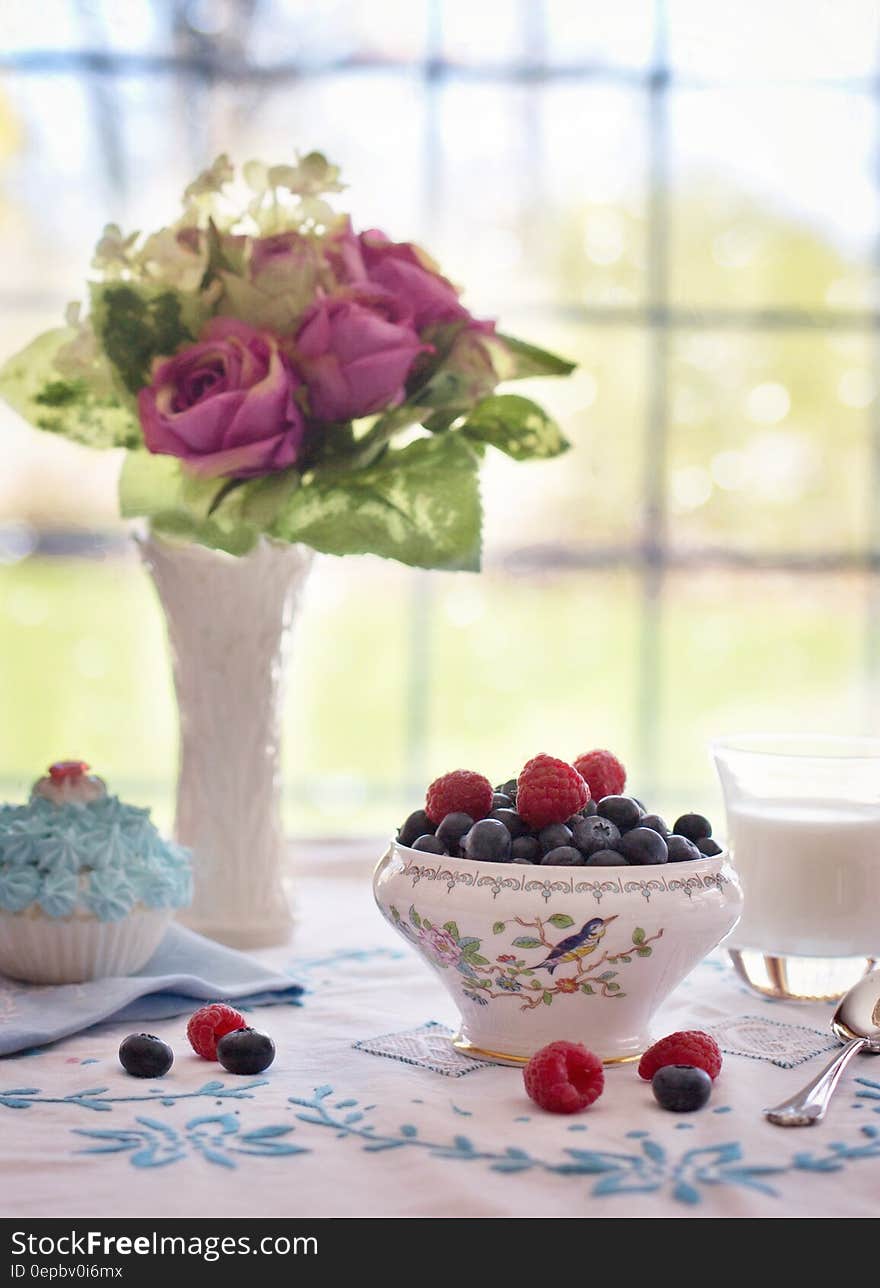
(103, 856)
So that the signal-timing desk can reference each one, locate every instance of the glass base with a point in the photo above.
(799, 979)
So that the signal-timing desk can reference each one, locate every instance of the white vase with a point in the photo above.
(229, 623)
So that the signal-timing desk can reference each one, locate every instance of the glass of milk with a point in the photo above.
(803, 827)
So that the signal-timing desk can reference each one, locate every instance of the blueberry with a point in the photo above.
(623, 811)
(708, 846)
(418, 824)
(487, 842)
(500, 800)
(564, 856)
(245, 1051)
(606, 859)
(681, 850)
(515, 825)
(553, 836)
(508, 789)
(452, 828)
(526, 849)
(597, 833)
(693, 826)
(429, 845)
(591, 808)
(655, 823)
(681, 1088)
(145, 1056)
(641, 845)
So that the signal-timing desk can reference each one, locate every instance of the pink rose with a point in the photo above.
(225, 405)
(354, 356)
(399, 267)
(342, 249)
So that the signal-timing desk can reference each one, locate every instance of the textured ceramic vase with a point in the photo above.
(229, 623)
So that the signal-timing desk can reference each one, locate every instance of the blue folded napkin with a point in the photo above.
(184, 966)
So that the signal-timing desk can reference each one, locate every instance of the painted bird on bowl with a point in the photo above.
(579, 945)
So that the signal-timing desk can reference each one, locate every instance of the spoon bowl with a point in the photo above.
(856, 1023)
(858, 1013)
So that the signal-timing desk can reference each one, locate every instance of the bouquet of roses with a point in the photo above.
(271, 372)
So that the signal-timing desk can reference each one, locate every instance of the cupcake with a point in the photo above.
(87, 884)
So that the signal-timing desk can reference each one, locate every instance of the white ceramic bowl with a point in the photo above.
(491, 932)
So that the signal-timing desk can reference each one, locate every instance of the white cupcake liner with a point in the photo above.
(38, 949)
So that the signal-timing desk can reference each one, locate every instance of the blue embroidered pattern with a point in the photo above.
(872, 1094)
(97, 1099)
(645, 1172)
(649, 1170)
(217, 1138)
(643, 1166)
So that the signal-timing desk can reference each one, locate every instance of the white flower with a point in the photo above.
(173, 259)
(220, 172)
(113, 253)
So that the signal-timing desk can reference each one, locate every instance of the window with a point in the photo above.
(681, 197)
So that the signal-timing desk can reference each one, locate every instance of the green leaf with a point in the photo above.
(182, 506)
(561, 920)
(607, 974)
(587, 988)
(527, 941)
(414, 917)
(643, 952)
(623, 958)
(638, 935)
(137, 323)
(517, 426)
(529, 360)
(546, 997)
(452, 927)
(498, 927)
(612, 988)
(30, 383)
(418, 504)
(478, 960)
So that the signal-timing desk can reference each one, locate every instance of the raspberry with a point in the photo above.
(564, 1077)
(690, 1046)
(602, 772)
(549, 791)
(461, 792)
(211, 1023)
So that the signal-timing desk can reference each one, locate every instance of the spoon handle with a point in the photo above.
(810, 1104)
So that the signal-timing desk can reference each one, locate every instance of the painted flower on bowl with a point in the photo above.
(567, 985)
(441, 945)
(508, 984)
(226, 405)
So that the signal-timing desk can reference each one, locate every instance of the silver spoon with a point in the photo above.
(856, 1022)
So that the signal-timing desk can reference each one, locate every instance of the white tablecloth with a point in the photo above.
(332, 1129)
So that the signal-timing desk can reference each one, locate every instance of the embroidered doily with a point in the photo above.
(754, 1036)
(428, 1047)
